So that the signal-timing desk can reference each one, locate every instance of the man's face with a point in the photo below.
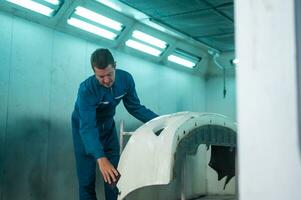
(106, 76)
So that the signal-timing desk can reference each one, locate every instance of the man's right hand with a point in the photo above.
(107, 170)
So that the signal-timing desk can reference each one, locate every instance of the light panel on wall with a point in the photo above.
(110, 4)
(54, 2)
(146, 43)
(91, 28)
(95, 23)
(44, 7)
(183, 58)
(149, 39)
(143, 47)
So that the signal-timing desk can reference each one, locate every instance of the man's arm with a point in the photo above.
(88, 125)
(133, 106)
(90, 137)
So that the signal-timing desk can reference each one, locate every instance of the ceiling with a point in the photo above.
(197, 27)
(208, 21)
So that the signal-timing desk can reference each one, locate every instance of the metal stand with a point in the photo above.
(183, 176)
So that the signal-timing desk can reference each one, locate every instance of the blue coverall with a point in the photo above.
(93, 127)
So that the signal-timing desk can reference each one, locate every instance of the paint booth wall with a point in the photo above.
(216, 101)
(40, 73)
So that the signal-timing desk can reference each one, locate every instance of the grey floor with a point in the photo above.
(222, 197)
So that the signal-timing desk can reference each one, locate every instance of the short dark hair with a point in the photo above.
(101, 58)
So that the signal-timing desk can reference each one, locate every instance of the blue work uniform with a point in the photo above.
(93, 127)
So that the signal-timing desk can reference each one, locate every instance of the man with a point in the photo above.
(93, 127)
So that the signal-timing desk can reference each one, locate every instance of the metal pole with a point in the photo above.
(183, 176)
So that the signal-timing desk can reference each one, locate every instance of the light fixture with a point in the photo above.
(91, 28)
(98, 18)
(149, 39)
(183, 58)
(181, 61)
(44, 7)
(95, 23)
(143, 47)
(54, 2)
(34, 6)
(110, 4)
(146, 43)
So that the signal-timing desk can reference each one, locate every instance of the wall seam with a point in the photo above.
(7, 106)
(49, 116)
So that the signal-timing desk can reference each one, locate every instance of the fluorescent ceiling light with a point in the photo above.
(149, 39)
(181, 61)
(143, 47)
(54, 2)
(93, 16)
(91, 28)
(110, 4)
(34, 6)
